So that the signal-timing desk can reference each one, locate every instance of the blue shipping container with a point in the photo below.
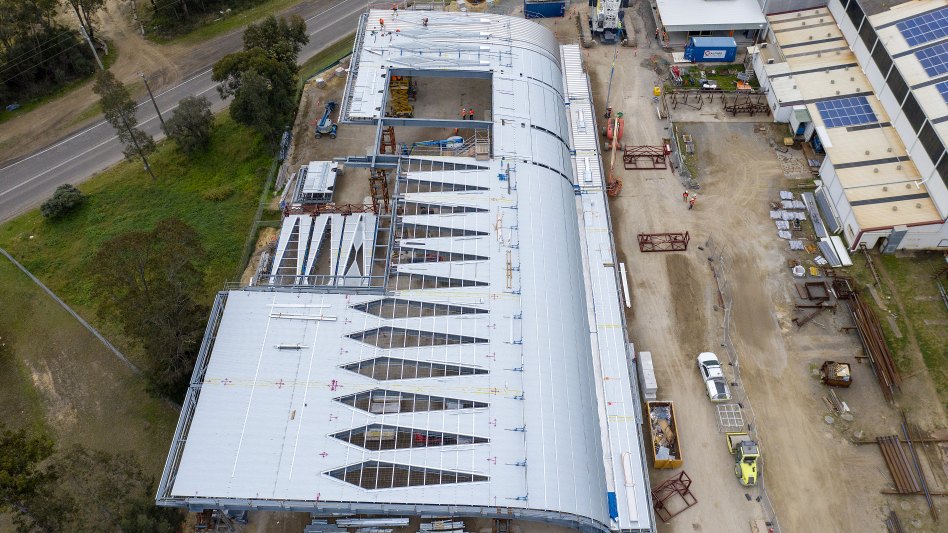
(711, 49)
(539, 10)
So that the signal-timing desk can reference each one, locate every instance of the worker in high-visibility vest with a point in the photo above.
(691, 203)
(470, 114)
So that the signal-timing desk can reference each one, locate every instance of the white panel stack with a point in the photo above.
(647, 382)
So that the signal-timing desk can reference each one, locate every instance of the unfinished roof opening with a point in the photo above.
(385, 437)
(381, 402)
(423, 231)
(386, 368)
(378, 475)
(405, 282)
(421, 208)
(393, 337)
(402, 308)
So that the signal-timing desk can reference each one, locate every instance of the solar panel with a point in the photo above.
(850, 111)
(924, 28)
(943, 89)
(934, 59)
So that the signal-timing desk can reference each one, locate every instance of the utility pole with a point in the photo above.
(92, 46)
(160, 118)
(124, 120)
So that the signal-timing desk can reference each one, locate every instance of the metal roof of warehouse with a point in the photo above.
(521, 348)
(820, 71)
(694, 15)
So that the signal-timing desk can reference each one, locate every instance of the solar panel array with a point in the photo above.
(943, 89)
(924, 28)
(846, 112)
(934, 59)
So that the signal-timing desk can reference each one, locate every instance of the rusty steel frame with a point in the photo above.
(663, 242)
(679, 485)
(655, 156)
(327, 209)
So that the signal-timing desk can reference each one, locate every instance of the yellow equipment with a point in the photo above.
(402, 91)
(746, 453)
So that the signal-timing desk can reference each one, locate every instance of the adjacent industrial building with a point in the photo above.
(457, 349)
(865, 84)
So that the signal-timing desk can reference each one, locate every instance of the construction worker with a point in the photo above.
(470, 114)
(382, 23)
(684, 196)
(463, 113)
(657, 33)
(691, 203)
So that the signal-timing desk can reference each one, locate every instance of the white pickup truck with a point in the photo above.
(713, 376)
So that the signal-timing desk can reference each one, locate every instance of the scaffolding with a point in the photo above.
(646, 157)
(387, 142)
(750, 102)
(664, 242)
(378, 185)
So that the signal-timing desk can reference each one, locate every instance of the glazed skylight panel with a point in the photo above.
(934, 59)
(925, 28)
(846, 112)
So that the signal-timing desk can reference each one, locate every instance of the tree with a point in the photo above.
(110, 492)
(25, 485)
(150, 278)
(262, 77)
(279, 39)
(37, 53)
(119, 110)
(64, 201)
(261, 106)
(77, 489)
(84, 10)
(190, 124)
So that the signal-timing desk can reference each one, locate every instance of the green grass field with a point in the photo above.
(217, 193)
(911, 286)
(327, 57)
(59, 380)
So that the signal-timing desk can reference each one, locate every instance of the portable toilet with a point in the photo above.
(711, 49)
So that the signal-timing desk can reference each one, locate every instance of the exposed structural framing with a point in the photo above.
(751, 103)
(378, 186)
(664, 494)
(646, 157)
(664, 242)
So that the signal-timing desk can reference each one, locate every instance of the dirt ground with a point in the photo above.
(815, 477)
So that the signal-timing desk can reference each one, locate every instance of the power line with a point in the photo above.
(17, 75)
(34, 52)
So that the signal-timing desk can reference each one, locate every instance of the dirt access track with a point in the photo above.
(816, 479)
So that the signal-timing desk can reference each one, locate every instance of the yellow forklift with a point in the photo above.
(746, 453)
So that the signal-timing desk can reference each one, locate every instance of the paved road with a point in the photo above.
(27, 182)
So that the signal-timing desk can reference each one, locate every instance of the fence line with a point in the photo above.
(720, 266)
(75, 315)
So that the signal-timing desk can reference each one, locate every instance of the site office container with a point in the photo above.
(711, 50)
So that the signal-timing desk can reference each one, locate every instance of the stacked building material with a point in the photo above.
(870, 335)
(901, 469)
